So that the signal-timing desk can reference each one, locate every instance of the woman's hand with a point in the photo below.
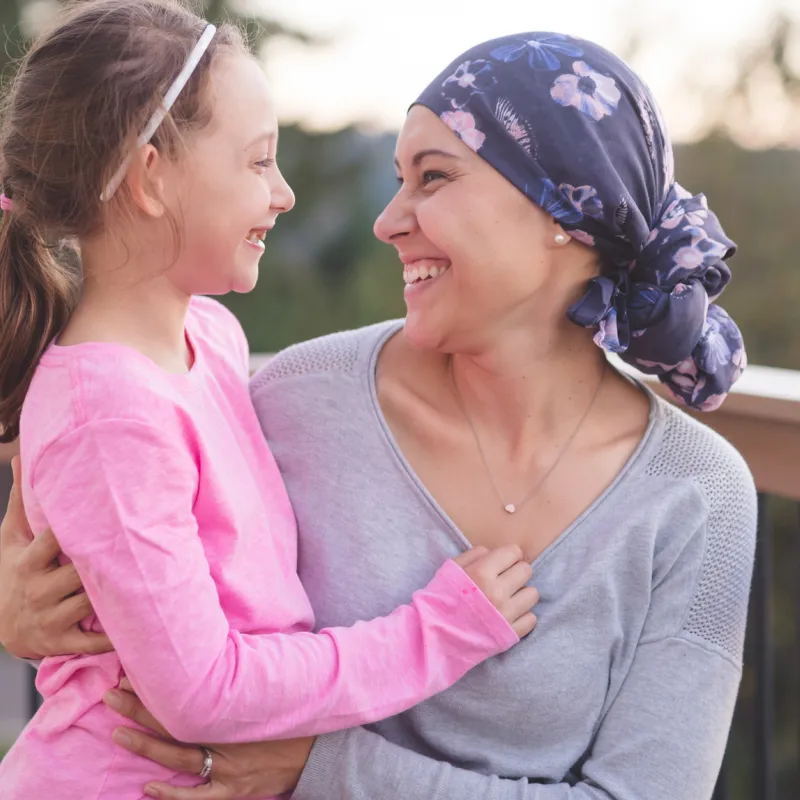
(260, 769)
(40, 603)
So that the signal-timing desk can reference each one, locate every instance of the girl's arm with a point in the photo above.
(119, 494)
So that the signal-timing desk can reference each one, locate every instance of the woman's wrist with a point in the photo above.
(314, 779)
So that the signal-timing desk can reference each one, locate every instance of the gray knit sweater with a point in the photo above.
(626, 688)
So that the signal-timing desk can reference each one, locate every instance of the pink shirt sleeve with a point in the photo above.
(119, 494)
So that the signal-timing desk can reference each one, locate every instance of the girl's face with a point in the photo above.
(228, 190)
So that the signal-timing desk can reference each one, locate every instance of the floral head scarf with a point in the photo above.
(575, 130)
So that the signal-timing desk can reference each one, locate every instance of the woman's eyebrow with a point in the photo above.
(418, 156)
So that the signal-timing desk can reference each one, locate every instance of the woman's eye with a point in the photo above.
(431, 175)
(266, 163)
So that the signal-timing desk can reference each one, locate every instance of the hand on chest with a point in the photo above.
(502, 488)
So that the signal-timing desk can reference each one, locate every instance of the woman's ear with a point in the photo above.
(146, 180)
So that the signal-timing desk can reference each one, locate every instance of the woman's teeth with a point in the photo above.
(421, 271)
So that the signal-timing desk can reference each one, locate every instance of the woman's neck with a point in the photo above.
(527, 387)
(524, 394)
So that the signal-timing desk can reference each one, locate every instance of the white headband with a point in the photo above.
(158, 116)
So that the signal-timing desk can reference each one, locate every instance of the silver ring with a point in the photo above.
(208, 762)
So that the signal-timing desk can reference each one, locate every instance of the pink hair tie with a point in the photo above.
(6, 203)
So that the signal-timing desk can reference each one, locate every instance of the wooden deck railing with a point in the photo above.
(761, 418)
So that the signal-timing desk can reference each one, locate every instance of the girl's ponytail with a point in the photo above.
(38, 292)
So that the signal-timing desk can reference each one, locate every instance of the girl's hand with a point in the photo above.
(502, 575)
(258, 769)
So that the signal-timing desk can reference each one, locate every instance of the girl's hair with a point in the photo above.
(79, 100)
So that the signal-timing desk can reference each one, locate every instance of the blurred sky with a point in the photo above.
(383, 53)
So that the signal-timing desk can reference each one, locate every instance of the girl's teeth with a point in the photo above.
(255, 239)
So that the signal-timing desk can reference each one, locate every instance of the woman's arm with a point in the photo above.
(254, 770)
(119, 496)
(663, 739)
(40, 601)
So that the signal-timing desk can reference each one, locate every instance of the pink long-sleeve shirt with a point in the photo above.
(162, 491)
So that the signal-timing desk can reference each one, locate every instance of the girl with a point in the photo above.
(140, 447)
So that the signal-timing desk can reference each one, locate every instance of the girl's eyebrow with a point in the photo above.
(265, 136)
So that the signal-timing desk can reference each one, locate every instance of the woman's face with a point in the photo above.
(478, 256)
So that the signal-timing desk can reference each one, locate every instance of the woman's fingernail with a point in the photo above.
(121, 737)
(113, 699)
(151, 791)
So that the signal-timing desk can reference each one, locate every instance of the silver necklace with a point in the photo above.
(512, 508)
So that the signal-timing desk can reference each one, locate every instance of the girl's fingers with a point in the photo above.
(524, 624)
(522, 601)
(470, 556)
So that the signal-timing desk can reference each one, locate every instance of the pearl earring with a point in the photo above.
(561, 238)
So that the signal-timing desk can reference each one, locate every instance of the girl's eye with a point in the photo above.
(266, 163)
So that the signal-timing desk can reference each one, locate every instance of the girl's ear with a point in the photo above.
(145, 180)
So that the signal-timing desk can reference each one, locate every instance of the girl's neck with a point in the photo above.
(134, 304)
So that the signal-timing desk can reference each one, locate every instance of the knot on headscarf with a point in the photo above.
(575, 130)
(657, 315)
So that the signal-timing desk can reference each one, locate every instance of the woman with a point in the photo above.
(536, 192)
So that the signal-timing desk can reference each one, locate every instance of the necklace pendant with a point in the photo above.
(511, 508)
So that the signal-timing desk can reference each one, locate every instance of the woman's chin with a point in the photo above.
(424, 333)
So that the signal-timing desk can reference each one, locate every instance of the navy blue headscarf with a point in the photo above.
(575, 130)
